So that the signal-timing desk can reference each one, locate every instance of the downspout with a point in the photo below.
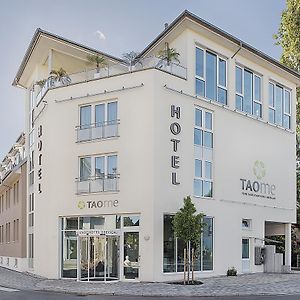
(237, 51)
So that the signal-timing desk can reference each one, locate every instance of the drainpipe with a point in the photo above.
(236, 52)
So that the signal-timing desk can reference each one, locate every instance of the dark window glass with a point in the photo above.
(169, 262)
(207, 250)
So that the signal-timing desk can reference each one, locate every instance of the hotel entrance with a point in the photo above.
(99, 256)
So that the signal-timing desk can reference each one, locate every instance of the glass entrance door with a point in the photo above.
(245, 255)
(131, 262)
(98, 258)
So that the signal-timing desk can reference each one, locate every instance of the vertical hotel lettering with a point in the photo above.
(40, 148)
(175, 130)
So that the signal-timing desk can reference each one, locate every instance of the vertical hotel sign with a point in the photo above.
(175, 129)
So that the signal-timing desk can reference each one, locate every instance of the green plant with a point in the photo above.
(188, 227)
(231, 271)
(99, 61)
(169, 55)
(61, 76)
(41, 82)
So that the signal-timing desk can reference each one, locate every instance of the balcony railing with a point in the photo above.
(98, 184)
(116, 69)
(97, 131)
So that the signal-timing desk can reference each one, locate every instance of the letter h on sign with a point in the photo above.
(175, 111)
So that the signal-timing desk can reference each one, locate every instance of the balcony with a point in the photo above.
(98, 184)
(112, 70)
(97, 131)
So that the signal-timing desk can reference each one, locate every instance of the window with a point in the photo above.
(173, 248)
(279, 105)
(203, 140)
(97, 174)
(16, 192)
(246, 224)
(98, 121)
(211, 76)
(248, 96)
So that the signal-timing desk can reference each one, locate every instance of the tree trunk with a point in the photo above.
(189, 260)
(184, 265)
(193, 278)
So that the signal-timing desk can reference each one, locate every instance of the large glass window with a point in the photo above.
(248, 87)
(279, 105)
(211, 76)
(85, 116)
(203, 141)
(85, 168)
(173, 248)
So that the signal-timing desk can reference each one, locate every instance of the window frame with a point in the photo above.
(218, 85)
(242, 94)
(273, 108)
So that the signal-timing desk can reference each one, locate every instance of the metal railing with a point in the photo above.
(97, 131)
(97, 184)
(151, 62)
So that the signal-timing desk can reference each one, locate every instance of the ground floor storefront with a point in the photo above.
(112, 248)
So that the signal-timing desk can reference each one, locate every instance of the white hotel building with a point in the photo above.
(112, 154)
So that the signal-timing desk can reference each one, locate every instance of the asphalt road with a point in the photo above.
(8, 294)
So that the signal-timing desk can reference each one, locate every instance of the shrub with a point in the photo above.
(231, 271)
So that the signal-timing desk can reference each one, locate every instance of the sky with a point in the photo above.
(114, 27)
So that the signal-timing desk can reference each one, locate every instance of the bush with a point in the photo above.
(231, 271)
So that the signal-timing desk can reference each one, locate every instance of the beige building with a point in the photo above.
(13, 185)
(114, 148)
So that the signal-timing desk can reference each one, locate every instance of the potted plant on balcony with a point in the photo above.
(99, 61)
(167, 57)
(59, 77)
(41, 82)
(132, 58)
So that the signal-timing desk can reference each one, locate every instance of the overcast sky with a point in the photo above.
(115, 27)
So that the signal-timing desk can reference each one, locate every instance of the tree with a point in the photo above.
(288, 37)
(99, 61)
(169, 55)
(188, 227)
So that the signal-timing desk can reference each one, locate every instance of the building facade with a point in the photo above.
(114, 150)
(13, 174)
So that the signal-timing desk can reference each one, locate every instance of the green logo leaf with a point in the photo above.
(259, 169)
(81, 204)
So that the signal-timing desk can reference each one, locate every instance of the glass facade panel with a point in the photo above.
(199, 62)
(198, 168)
(239, 102)
(248, 92)
(211, 76)
(287, 102)
(271, 94)
(112, 112)
(257, 109)
(271, 115)
(198, 188)
(257, 84)
(278, 105)
(200, 87)
(112, 165)
(245, 249)
(208, 170)
(222, 95)
(85, 168)
(207, 139)
(131, 255)
(85, 116)
(222, 72)
(197, 136)
(286, 121)
(207, 189)
(198, 117)
(129, 221)
(169, 262)
(99, 167)
(239, 80)
(207, 250)
(99, 114)
(208, 120)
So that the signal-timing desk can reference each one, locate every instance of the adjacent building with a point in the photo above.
(113, 150)
(13, 184)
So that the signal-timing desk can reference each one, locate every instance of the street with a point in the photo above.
(10, 294)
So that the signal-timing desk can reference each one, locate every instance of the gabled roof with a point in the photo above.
(38, 33)
(188, 15)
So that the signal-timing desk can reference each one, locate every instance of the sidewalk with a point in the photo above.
(252, 284)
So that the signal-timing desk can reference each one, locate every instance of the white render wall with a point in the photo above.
(144, 152)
